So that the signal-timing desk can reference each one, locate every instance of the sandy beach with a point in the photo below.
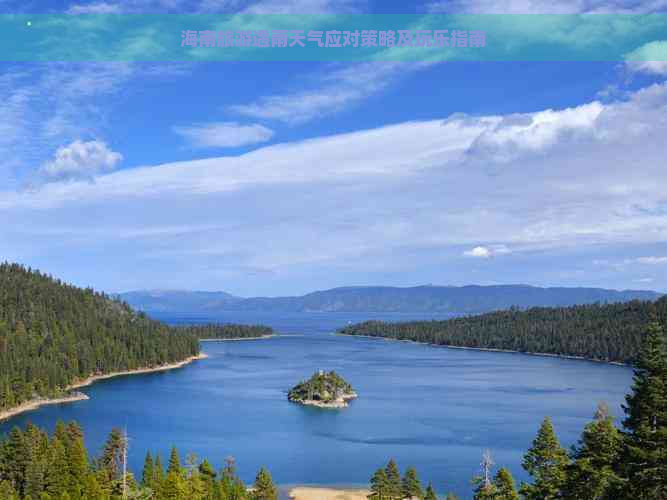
(79, 396)
(312, 493)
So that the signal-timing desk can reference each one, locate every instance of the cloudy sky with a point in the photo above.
(281, 178)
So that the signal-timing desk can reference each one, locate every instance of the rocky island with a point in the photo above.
(324, 390)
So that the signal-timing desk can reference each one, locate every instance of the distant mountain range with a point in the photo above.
(470, 299)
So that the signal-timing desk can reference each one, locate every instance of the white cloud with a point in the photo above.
(486, 252)
(510, 136)
(303, 7)
(652, 260)
(388, 197)
(479, 252)
(95, 8)
(81, 160)
(334, 92)
(649, 58)
(223, 134)
(546, 6)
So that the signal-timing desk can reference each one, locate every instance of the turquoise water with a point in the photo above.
(431, 407)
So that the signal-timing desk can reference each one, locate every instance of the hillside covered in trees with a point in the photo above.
(607, 463)
(606, 332)
(227, 331)
(53, 334)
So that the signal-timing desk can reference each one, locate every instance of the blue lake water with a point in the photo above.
(431, 407)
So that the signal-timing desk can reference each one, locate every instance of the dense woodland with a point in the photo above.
(53, 334)
(608, 463)
(227, 331)
(608, 332)
(38, 467)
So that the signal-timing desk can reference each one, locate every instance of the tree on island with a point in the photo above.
(322, 387)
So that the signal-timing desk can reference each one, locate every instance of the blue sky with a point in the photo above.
(281, 178)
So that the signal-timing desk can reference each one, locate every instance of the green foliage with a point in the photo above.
(609, 332)
(430, 493)
(394, 489)
(53, 335)
(379, 485)
(645, 455)
(504, 486)
(34, 466)
(411, 485)
(264, 489)
(322, 386)
(546, 462)
(226, 331)
(592, 472)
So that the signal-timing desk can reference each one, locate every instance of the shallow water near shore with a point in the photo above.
(431, 407)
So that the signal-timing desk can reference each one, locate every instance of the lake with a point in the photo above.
(431, 407)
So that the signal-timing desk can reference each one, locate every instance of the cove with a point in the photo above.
(431, 407)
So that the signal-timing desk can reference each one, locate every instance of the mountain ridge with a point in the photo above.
(467, 299)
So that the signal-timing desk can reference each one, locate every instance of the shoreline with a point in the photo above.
(491, 349)
(341, 402)
(34, 404)
(327, 493)
(261, 337)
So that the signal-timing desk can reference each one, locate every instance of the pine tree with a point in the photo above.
(264, 489)
(379, 485)
(592, 474)
(483, 491)
(158, 478)
(110, 459)
(57, 479)
(173, 487)
(174, 462)
(546, 462)
(430, 493)
(645, 457)
(78, 466)
(394, 490)
(505, 487)
(148, 473)
(412, 487)
(7, 491)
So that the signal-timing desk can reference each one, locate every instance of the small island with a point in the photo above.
(324, 390)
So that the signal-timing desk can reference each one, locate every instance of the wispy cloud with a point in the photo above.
(649, 58)
(334, 92)
(223, 134)
(429, 192)
(545, 6)
(95, 8)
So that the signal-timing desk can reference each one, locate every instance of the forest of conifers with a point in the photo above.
(606, 332)
(53, 334)
(227, 331)
(607, 463)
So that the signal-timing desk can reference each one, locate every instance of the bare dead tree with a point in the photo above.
(487, 463)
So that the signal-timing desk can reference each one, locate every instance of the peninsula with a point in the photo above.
(324, 390)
